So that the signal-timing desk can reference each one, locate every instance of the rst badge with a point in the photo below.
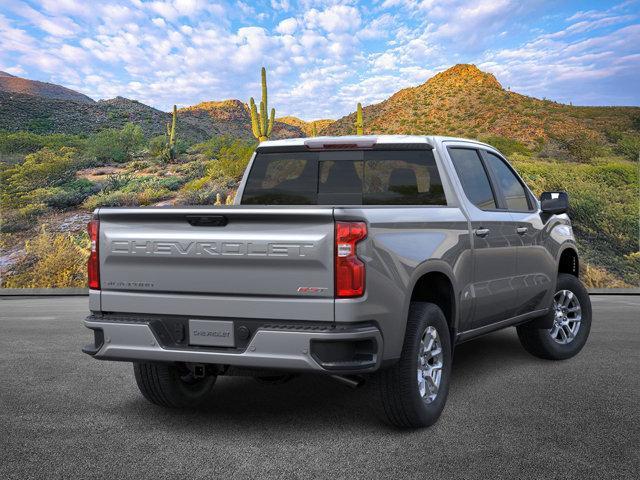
(311, 290)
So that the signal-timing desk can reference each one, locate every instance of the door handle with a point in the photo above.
(522, 230)
(482, 232)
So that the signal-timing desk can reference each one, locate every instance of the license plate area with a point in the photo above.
(211, 333)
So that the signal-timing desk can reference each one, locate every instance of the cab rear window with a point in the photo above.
(371, 177)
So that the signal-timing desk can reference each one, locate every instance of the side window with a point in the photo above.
(402, 178)
(512, 189)
(473, 177)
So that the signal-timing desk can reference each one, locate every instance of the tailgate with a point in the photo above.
(238, 261)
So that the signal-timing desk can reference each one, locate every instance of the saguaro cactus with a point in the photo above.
(171, 135)
(260, 124)
(314, 130)
(359, 125)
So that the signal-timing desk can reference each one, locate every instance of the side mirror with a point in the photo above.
(554, 202)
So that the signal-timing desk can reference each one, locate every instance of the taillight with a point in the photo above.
(350, 270)
(93, 264)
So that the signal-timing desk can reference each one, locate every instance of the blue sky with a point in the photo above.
(322, 56)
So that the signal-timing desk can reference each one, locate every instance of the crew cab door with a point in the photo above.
(536, 266)
(493, 236)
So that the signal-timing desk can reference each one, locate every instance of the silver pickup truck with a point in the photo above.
(365, 257)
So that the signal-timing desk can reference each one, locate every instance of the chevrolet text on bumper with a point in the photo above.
(365, 257)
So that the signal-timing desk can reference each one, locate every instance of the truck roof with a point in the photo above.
(363, 140)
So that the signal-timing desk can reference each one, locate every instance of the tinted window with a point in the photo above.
(282, 179)
(511, 187)
(402, 178)
(473, 177)
(345, 177)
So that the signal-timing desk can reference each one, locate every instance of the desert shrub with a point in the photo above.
(213, 147)
(43, 169)
(580, 146)
(232, 160)
(116, 182)
(171, 183)
(40, 125)
(51, 261)
(111, 199)
(594, 277)
(507, 146)
(24, 218)
(629, 146)
(146, 196)
(28, 142)
(206, 195)
(604, 207)
(116, 145)
(68, 195)
(157, 145)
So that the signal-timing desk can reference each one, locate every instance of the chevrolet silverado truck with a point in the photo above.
(363, 257)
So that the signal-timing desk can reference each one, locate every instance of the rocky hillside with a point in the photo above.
(464, 101)
(12, 85)
(46, 115)
(47, 108)
(306, 127)
(231, 117)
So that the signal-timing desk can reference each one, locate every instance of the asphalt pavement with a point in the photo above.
(509, 415)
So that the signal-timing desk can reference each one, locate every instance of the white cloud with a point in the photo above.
(335, 19)
(280, 5)
(56, 26)
(287, 26)
(159, 22)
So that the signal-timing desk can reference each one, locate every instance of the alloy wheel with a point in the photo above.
(430, 362)
(567, 317)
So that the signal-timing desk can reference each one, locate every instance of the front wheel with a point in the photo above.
(571, 323)
(414, 391)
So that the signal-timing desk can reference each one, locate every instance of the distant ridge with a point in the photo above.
(12, 84)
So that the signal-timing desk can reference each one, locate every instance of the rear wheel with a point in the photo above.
(414, 391)
(173, 386)
(571, 323)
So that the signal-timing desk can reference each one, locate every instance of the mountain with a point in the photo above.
(231, 117)
(306, 127)
(38, 111)
(16, 85)
(464, 101)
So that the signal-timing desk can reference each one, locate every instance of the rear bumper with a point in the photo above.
(344, 349)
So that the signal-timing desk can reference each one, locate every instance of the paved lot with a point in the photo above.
(509, 415)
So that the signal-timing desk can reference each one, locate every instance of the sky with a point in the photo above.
(321, 56)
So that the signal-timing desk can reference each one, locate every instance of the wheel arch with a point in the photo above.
(434, 283)
(569, 261)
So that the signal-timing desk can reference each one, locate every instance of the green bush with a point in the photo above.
(116, 145)
(507, 146)
(604, 206)
(581, 146)
(52, 260)
(68, 195)
(145, 196)
(44, 169)
(28, 142)
(24, 218)
(157, 145)
(629, 146)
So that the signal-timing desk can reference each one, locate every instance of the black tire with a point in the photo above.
(399, 396)
(172, 386)
(539, 341)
